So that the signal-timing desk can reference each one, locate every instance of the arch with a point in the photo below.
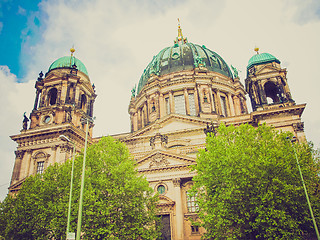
(52, 96)
(83, 102)
(272, 92)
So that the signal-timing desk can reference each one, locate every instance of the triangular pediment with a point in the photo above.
(157, 160)
(171, 123)
(268, 68)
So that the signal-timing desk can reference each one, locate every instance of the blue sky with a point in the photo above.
(116, 39)
(20, 26)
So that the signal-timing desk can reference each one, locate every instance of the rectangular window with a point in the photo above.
(40, 167)
(179, 104)
(194, 229)
(168, 106)
(192, 203)
(223, 106)
(192, 104)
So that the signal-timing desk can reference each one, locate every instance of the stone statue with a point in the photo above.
(133, 91)
(25, 121)
(235, 72)
(210, 129)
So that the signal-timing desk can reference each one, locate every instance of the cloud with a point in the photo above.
(15, 98)
(304, 11)
(22, 11)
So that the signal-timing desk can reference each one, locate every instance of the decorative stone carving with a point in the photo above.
(176, 182)
(19, 154)
(158, 161)
(41, 156)
(298, 127)
(210, 129)
(65, 148)
(158, 137)
(54, 148)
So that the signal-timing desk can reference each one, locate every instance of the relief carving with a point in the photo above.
(298, 127)
(19, 154)
(176, 182)
(65, 148)
(158, 161)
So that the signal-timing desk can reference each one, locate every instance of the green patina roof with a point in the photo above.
(261, 59)
(67, 62)
(183, 56)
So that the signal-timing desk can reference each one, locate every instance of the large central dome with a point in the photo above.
(183, 56)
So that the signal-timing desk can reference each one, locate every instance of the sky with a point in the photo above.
(116, 39)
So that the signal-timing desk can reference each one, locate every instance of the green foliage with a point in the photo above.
(118, 203)
(250, 187)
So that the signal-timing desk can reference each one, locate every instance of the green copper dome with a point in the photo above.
(261, 59)
(183, 56)
(68, 62)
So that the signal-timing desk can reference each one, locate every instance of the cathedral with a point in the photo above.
(186, 91)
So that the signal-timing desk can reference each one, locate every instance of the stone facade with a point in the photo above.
(170, 117)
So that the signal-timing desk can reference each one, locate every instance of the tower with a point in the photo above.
(63, 98)
(266, 82)
(270, 96)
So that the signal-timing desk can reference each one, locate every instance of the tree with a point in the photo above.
(248, 185)
(118, 203)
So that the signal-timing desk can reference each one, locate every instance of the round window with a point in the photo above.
(46, 119)
(161, 189)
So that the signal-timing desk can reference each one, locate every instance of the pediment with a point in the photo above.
(164, 200)
(171, 123)
(159, 159)
(264, 69)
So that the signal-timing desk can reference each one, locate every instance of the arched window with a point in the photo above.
(272, 92)
(192, 204)
(52, 96)
(83, 102)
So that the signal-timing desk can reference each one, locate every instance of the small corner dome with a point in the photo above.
(68, 62)
(185, 56)
(262, 58)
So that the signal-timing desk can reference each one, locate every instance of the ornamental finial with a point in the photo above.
(72, 50)
(180, 38)
(256, 49)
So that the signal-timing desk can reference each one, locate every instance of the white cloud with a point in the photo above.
(22, 11)
(117, 39)
(16, 99)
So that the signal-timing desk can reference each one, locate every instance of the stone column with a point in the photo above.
(231, 104)
(171, 101)
(186, 97)
(199, 98)
(162, 108)
(77, 96)
(139, 118)
(179, 209)
(43, 98)
(36, 100)
(237, 105)
(17, 165)
(28, 163)
(135, 121)
(213, 108)
(157, 104)
(218, 102)
(262, 94)
(146, 112)
(196, 101)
